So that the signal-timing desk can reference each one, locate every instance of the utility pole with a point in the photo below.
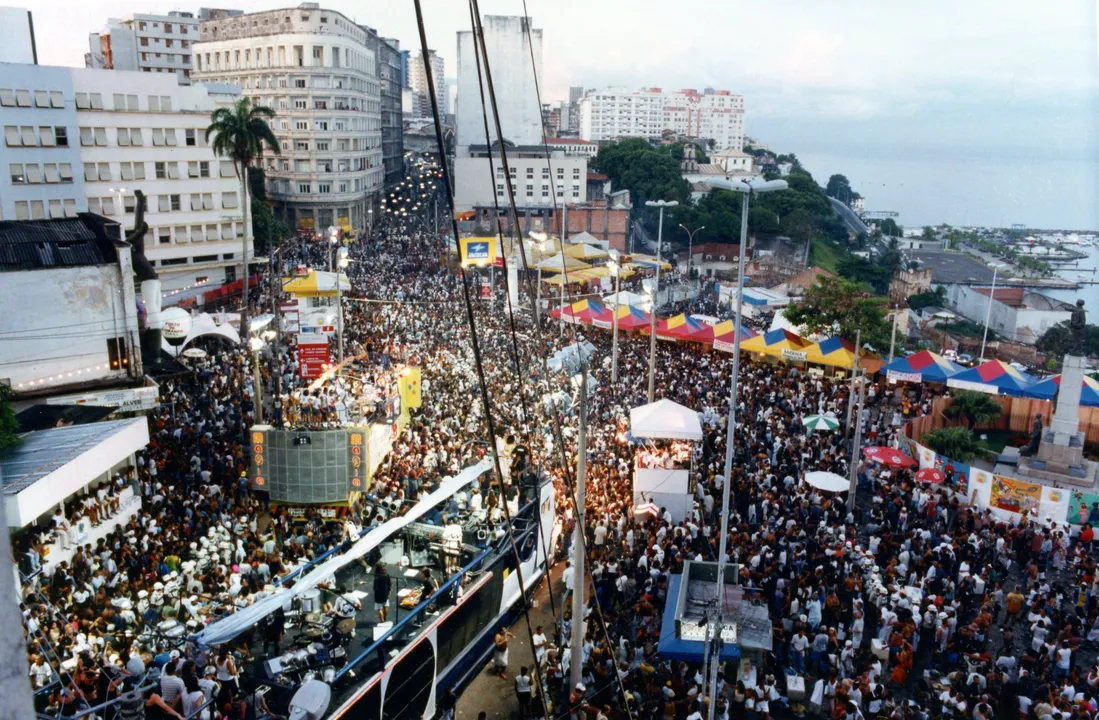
(854, 469)
(854, 374)
(656, 292)
(617, 306)
(576, 656)
(893, 334)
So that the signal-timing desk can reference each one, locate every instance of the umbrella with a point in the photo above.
(827, 481)
(889, 456)
(931, 475)
(820, 422)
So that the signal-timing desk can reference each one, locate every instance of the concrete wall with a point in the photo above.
(478, 183)
(513, 80)
(1018, 324)
(62, 318)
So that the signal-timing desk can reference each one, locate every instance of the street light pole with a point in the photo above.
(854, 469)
(893, 334)
(257, 344)
(690, 246)
(656, 290)
(616, 270)
(854, 374)
(341, 263)
(723, 540)
(988, 313)
(576, 661)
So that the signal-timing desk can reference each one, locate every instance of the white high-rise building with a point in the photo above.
(417, 77)
(513, 79)
(78, 139)
(311, 66)
(716, 115)
(147, 43)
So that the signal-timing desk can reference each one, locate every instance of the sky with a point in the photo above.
(971, 82)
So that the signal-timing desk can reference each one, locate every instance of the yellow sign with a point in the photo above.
(478, 250)
(305, 223)
(344, 223)
(1015, 495)
(410, 387)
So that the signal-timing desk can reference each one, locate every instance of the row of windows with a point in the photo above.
(37, 209)
(178, 234)
(166, 42)
(168, 27)
(22, 98)
(285, 56)
(122, 101)
(280, 186)
(500, 192)
(184, 59)
(161, 170)
(25, 136)
(545, 172)
(545, 188)
(34, 173)
(135, 137)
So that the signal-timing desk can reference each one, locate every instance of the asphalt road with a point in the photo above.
(853, 222)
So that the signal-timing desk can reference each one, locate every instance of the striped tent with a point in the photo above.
(994, 376)
(725, 336)
(631, 317)
(924, 365)
(680, 327)
(1047, 389)
(584, 311)
(778, 343)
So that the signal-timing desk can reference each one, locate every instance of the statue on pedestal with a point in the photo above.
(1077, 326)
(1035, 437)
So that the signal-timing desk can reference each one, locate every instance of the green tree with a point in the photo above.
(974, 407)
(648, 172)
(957, 443)
(241, 133)
(860, 270)
(837, 306)
(762, 220)
(889, 227)
(9, 424)
(928, 233)
(1057, 341)
(839, 187)
(930, 298)
(268, 231)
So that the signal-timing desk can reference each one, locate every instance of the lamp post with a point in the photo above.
(988, 313)
(120, 192)
(574, 361)
(616, 270)
(853, 477)
(333, 238)
(342, 261)
(257, 344)
(656, 290)
(690, 245)
(893, 333)
(746, 189)
(854, 374)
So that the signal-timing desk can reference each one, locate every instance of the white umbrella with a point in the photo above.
(827, 481)
(820, 422)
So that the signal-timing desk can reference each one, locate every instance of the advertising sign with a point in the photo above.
(313, 357)
(894, 377)
(127, 400)
(478, 250)
(795, 355)
(1015, 495)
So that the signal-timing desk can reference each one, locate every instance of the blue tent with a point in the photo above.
(999, 374)
(925, 364)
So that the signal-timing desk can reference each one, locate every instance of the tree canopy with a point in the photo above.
(838, 306)
(929, 298)
(1057, 341)
(268, 231)
(973, 408)
(9, 425)
(957, 443)
(839, 187)
(648, 172)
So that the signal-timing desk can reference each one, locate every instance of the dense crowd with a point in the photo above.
(909, 605)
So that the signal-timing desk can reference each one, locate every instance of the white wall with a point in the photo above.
(512, 78)
(1019, 324)
(478, 183)
(16, 35)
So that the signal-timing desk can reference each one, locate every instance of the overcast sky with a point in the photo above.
(982, 77)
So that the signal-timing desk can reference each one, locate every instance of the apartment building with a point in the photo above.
(387, 52)
(146, 43)
(417, 75)
(73, 143)
(313, 67)
(482, 179)
(613, 113)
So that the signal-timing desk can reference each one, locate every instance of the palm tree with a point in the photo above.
(240, 133)
(957, 443)
(974, 407)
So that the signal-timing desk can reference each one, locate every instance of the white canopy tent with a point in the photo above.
(229, 627)
(665, 419)
(625, 297)
(203, 324)
(827, 481)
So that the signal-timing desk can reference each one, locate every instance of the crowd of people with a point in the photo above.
(911, 604)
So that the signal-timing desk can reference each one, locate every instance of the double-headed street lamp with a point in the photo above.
(656, 289)
(690, 245)
(746, 188)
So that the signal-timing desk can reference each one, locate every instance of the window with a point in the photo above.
(7, 97)
(164, 236)
(318, 52)
(70, 208)
(23, 98)
(322, 145)
(163, 203)
(212, 232)
(17, 176)
(52, 175)
(196, 236)
(320, 125)
(300, 104)
(228, 200)
(189, 137)
(227, 233)
(90, 172)
(301, 124)
(66, 172)
(116, 352)
(136, 137)
(55, 209)
(207, 201)
(166, 103)
(196, 202)
(160, 170)
(158, 136)
(34, 173)
(11, 136)
(175, 202)
(204, 168)
(227, 169)
(86, 137)
(61, 135)
(145, 42)
(93, 206)
(304, 188)
(154, 103)
(22, 212)
(119, 101)
(104, 171)
(101, 137)
(28, 136)
(82, 101)
(192, 169)
(45, 134)
(301, 145)
(181, 234)
(123, 137)
(129, 204)
(170, 137)
(41, 98)
(173, 171)
(96, 101)
(126, 171)
(324, 188)
(38, 210)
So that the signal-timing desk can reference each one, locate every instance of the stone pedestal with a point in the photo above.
(1066, 418)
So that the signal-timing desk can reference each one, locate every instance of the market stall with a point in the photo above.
(994, 377)
(924, 365)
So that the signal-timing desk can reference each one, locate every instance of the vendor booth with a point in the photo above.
(662, 477)
(924, 365)
(994, 377)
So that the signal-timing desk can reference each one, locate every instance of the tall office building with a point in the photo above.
(716, 115)
(513, 79)
(417, 77)
(80, 140)
(17, 43)
(146, 43)
(387, 52)
(314, 68)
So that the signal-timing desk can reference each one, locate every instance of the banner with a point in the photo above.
(1015, 495)
(410, 387)
(1080, 507)
(486, 290)
(602, 324)
(795, 355)
(478, 250)
(126, 400)
(956, 473)
(313, 357)
(724, 346)
(894, 377)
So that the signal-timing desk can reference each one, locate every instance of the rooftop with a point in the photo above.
(1011, 296)
(949, 267)
(40, 244)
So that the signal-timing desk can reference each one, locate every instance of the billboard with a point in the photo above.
(478, 250)
(313, 357)
(309, 468)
